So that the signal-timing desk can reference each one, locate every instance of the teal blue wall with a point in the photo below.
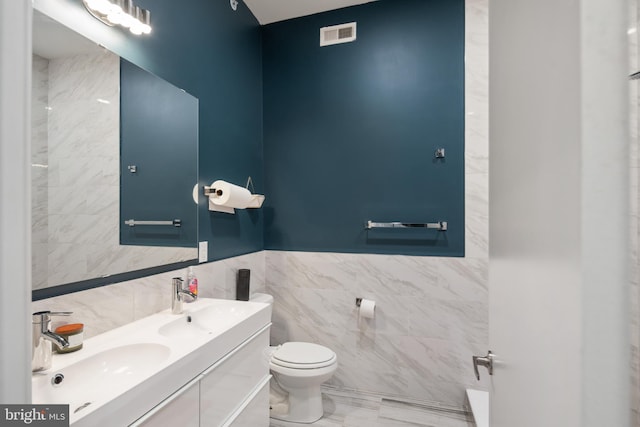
(214, 53)
(350, 130)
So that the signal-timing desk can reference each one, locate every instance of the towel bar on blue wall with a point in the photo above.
(133, 223)
(440, 225)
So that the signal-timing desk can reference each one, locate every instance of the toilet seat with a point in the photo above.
(303, 355)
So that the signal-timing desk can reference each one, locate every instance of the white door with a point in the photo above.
(558, 213)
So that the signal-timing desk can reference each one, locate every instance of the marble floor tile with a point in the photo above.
(416, 414)
(353, 409)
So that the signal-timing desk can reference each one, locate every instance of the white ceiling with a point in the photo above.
(268, 11)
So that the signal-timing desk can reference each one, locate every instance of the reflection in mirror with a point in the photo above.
(76, 164)
(158, 139)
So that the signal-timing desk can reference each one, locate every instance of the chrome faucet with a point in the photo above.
(42, 338)
(178, 295)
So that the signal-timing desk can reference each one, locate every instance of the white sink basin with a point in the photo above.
(214, 318)
(88, 381)
(221, 315)
(182, 328)
(120, 375)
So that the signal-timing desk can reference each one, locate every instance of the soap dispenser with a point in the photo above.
(192, 281)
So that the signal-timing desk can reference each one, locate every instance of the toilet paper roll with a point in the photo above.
(230, 195)
(367, 308)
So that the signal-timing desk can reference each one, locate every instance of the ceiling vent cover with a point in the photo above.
(335, 34)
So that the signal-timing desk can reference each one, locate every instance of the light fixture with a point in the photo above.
(142, 21)
(120, 12)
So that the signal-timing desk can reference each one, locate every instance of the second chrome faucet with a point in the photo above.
(43, 338)
(180, 295)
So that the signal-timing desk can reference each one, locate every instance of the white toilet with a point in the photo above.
(298, 368)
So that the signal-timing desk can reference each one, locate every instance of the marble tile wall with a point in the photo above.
(108, 307)
(39, 172)
(83, 160)
(81, 228)
(432, 313)
(634, 175)
(431, 317)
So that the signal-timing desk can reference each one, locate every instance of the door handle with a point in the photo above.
(486, 361)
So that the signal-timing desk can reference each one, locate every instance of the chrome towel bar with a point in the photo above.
(133, 223)
(440, 225)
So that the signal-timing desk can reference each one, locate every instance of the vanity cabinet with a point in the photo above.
(181, 409)
(226, 385)
(234, 391)
(255, 412)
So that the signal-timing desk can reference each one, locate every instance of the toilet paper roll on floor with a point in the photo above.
(367, 309)
(229, 195)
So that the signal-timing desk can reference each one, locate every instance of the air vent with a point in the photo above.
(335, 34)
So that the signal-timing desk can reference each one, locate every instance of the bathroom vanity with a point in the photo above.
(208, 366)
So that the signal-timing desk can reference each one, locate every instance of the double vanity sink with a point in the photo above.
(122, 376)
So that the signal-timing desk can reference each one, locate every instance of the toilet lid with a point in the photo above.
(303, 355)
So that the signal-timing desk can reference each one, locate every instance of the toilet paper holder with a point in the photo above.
(366, 308)
(358, 302)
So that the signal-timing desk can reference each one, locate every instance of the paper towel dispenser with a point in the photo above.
(226, 197)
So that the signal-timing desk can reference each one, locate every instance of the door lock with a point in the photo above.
(486, 361)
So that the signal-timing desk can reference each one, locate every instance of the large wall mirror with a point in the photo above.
(83, 190)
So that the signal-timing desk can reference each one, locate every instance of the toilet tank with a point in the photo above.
(265, 298)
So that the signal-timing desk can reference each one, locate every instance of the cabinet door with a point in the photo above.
(228, 384)
(181, 409)
(255, 412)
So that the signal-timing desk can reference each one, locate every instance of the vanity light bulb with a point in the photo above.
(101, 6)
(116, 8)
(128, 20)
(136, 29)
(121, 12)
(141, 22)
(115, 17)
(128, 12)
(136, 25)
(145, 20)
